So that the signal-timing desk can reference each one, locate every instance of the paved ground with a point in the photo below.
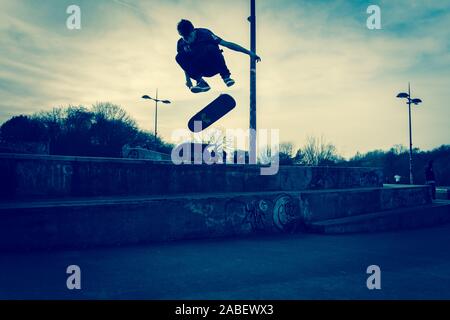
(414, 265)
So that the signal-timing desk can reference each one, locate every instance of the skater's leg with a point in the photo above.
(217, 65)
(221, 66)
(214, 63)
(189, 66)
(192, 69)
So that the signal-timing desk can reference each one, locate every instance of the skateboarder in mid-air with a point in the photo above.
(199, 56)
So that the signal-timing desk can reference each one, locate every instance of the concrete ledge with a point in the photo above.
(31, 176)
(430, 215)
(82, 223)
(443, 193)
(343, 203)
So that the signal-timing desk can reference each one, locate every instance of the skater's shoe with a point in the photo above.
(228, 81)
(202, 86)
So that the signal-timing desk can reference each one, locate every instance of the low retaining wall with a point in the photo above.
(443, 193)
(85, 223)
(30, 176)
(429, 215)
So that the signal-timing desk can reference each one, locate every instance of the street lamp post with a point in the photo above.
(252, 144)
(156, 109)
(416, 102)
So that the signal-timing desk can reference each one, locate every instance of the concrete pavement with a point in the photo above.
(414, 265)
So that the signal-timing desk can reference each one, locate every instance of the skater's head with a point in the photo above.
(186, 29)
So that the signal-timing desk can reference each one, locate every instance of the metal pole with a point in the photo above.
(156, 115)
(252, 146)
(411, 180)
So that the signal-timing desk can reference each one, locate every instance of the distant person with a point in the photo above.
(430, 179)
(199, 56)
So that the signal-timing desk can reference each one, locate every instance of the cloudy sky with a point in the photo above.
(323, 73)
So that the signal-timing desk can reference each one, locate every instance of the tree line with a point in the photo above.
(104, 128)
(101, 131)
(395, 161)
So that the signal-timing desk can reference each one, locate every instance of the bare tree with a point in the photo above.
(217, 142)
(112, 112)
(286, 153)
(317, 152)
(265, 155)
(287, 148)
(398, 149)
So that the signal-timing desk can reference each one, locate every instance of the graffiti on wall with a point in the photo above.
(285, 213)
(253, 212)
(257, 213)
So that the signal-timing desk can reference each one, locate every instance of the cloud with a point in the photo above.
(322, 72)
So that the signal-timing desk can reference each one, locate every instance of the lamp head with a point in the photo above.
(403, 95)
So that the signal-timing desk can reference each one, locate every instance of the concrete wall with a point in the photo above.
(30, 176)
(60, 202)
(86, 223)
(429, 215)
(141, 153)
(319, 206)
(443, 193)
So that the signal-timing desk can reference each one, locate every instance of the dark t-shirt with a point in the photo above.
(203, 38)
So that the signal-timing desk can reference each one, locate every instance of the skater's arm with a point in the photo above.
(238, 48)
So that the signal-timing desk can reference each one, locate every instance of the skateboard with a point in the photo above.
(211, 113)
